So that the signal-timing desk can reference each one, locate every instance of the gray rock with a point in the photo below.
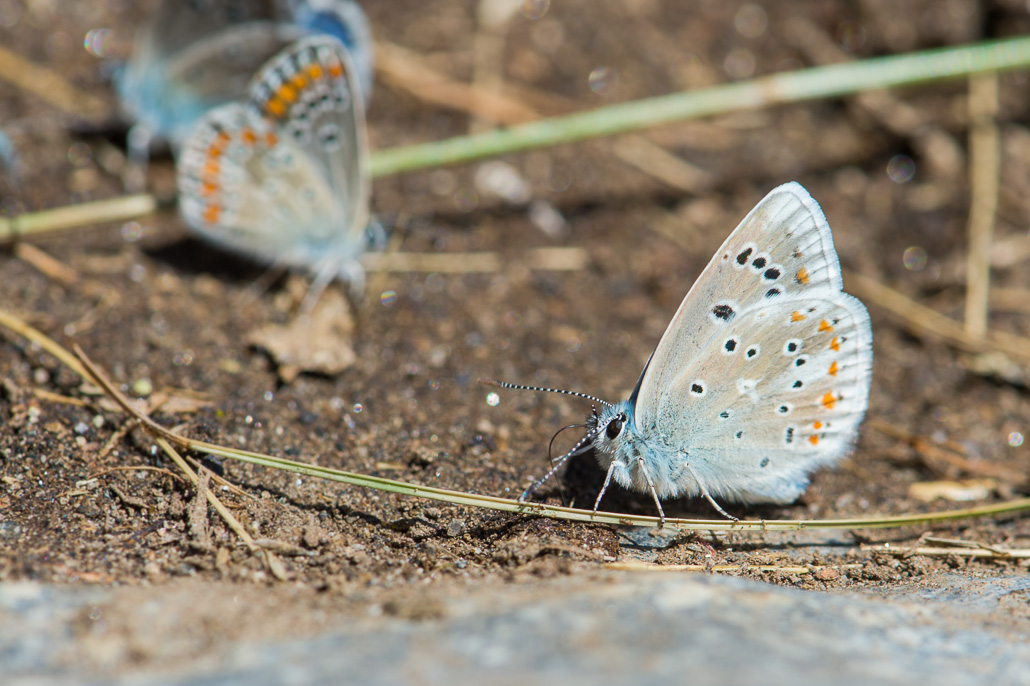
(619, 628)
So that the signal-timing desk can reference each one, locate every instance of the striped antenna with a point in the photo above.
(557, 463)
(520, 387)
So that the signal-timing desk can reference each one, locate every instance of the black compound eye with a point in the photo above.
(614, 427)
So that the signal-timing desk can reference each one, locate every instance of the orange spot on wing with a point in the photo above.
(829, 400)
(275, 107)
(286, 92)
(835, 344)
(833, 368)
(336, 69)
(208, 189)
(315, 71)
(212, 212)
(796, 317)
(298, 81)
(817, 425)
(802, 276)
(211, 167)
(248, 136)
(271, 139)
(825, 326)
(814, 440)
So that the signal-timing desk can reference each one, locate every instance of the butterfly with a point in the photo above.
(761, 377)
(193, 55)
(283, 176)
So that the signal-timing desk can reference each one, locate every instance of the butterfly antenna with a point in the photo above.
(550, 448)
(520, 387)
(557, 464)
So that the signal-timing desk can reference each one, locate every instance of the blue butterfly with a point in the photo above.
(194, 55)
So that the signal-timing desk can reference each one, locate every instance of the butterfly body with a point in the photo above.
(761, 377)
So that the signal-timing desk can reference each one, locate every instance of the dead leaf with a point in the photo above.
(319, 342)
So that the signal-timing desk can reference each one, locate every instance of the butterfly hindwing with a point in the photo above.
(782, 391)
(283, 177)
(311, 94)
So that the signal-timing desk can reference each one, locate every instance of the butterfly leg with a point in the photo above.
(607, 480)
(135, 176)
(654, 493)
(323, 277)
(708, 497)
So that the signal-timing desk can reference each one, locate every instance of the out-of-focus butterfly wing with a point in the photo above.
(283, 176)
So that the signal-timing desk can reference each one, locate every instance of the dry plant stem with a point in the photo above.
(53, 269)
(403, 70)
(991, 553)
(165, 438)
(933, 144)
(48, 344)
(567, 513)
(630, 566)
(121, 208)
(953, 456)
(146, 468)
(547, 259)
(488, 55)
(984, 172)
(101, 380)
(48, 86)
(58, 399)
(922, 320)
(807, 84)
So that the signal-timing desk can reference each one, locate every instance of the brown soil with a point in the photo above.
(170, 310)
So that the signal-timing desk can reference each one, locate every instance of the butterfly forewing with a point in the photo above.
(782, 248)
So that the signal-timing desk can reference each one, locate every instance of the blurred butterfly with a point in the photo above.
(283, 176)
(193, 55)
(761, 377)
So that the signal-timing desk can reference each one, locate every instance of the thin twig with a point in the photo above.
(798, 86)
(165, 438)
(48, 85)
(137, 468)
(922, 320)
(403, 70)
(567, 513)
(982, 553)
(952, 454)
(984, 173)
(632, 566)
(121, 208)
(51, 268)
(808, 84)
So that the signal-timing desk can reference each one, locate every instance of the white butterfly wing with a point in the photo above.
(191, 56)
(721, 383)
(787, 398)
(324, 115)
(284, 177)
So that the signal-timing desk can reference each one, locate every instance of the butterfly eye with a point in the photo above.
(614, 427)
